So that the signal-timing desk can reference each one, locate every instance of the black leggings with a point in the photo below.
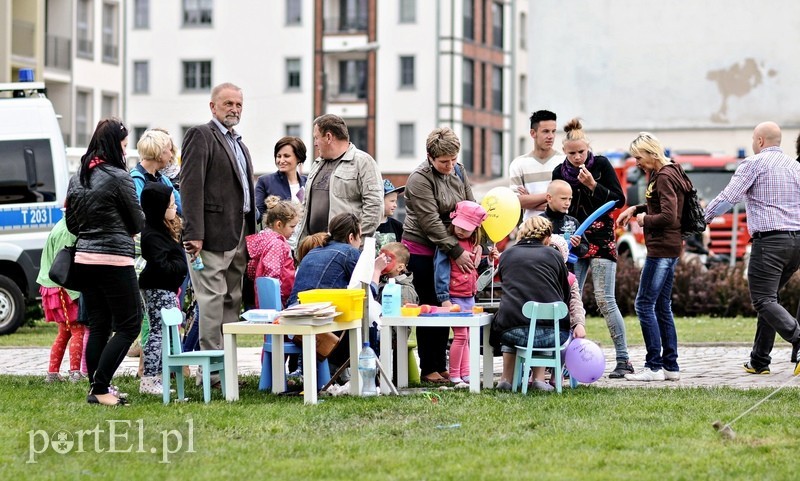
(431, 341)
(113, 303)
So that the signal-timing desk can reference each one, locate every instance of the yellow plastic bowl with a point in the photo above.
(410, 311)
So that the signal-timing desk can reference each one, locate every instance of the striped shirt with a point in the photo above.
(769, 182)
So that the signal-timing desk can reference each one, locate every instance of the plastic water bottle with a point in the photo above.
(390, 299)
(368, 369)
(197, 263)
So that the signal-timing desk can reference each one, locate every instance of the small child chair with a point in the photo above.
(173, 359)
(529, 356)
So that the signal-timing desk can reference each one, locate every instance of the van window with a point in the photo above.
(26, 172)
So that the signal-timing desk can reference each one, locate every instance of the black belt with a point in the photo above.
(770, 233)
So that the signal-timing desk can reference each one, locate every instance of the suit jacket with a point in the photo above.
(212, 191)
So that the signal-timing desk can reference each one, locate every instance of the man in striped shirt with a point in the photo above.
(769, 182)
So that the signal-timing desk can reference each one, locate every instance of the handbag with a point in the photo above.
(326, 343)
(62, 271)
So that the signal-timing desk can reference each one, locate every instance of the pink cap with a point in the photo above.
(468, 215)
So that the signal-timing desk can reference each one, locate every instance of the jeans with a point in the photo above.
(518, 336)
(773, 260)
(654, 308)
(604, 272)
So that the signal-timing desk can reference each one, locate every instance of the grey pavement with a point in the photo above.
(701, 365)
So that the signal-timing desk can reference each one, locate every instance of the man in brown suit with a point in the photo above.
(218, 211)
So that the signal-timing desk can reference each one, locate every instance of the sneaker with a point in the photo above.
(647, 375)
(503, 386)
(623, 368)
(542, 386)
(748, 368)
(76, 376)
(53, 377)
(461, 385)
(151, 385)
(672, 375)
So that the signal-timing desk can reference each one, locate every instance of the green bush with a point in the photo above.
(719, 291)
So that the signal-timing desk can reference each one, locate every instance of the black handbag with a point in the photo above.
(62, 271)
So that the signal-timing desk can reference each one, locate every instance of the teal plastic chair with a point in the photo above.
(173, 358)
(529, 356)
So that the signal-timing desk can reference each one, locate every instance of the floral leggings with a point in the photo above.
(156, 300)
(68, 334)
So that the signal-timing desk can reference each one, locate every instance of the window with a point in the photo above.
(197, 12)
(406, 71)
(141, 77)
(467, 148)
(292, 130)
(108, 106)
(353, 15)
(469, 20)
(84, 29)
(497, 24)
(138, 131)
(408, 11)
(292, 74)
(26, 167)
(497, 153)
(110, 33)
(353, 78)
(294, 12)
(468, 85)
(358, 136)
(523, 31)
(497, 89)
(141, 14)
(197, 75)
(83, 107)
(523, 146)
(523, 92)
(406, 140)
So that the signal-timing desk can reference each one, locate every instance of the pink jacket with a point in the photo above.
(271, 256)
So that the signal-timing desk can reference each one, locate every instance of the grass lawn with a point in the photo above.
(590, 433)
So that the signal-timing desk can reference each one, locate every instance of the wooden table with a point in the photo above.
(403, 323)
(277, 331)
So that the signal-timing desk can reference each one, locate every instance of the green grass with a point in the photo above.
(590, 433)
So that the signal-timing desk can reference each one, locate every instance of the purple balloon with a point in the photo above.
(585, 360)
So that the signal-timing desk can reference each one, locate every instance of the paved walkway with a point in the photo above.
(701, 366)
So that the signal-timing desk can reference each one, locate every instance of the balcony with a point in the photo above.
(58, 52)
(347, 24)
(346, 92)
(23, 35)
(110, 53)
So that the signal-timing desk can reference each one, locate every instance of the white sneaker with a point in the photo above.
(672, 375)
(151, 385)
(646, 374)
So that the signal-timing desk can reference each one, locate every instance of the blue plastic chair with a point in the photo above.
(268, 290)
(173, 358)
(529, 356)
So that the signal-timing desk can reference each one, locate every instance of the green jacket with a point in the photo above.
(58, 238)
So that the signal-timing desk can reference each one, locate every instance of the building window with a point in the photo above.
(406, 140)
(84, 29)
(292, 74)
(83, 108)
(523, 31)
(110, 33)
(469, 20)
(197, 12)
(408, 11)
(138, 132)
(358, 136)
(497, 89)
(468, 83)
(406, 71)
(292, 130)
(523, 93)
(497, 24)
(467, 148)
(523, 146)
(353, 15)
(141, 77)
(294, 12)
(108, 106)
(353, 78)
(141, 14)
(197, 75)
(497, 153)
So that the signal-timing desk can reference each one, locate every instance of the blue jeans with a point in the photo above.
(518, 336)
(654, 308)
(604, 272)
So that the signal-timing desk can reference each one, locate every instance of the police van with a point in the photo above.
(33, 187)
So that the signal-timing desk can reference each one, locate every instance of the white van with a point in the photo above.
(33, 186)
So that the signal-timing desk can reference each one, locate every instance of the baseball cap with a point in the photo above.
(468, 215)
(388, 187)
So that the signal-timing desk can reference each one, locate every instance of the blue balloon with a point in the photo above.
(585, 225)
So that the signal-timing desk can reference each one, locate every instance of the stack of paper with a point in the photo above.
(314, 314)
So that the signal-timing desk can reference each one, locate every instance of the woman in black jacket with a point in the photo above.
(102, 211)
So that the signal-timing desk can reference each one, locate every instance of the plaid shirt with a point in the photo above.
(770, 184)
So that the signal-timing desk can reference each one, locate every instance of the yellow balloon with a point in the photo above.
(503, 209)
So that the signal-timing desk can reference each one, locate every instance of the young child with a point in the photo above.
(61, 306)
(398, 261)
(390, 229)
(162, 276)
(454, 286)
(559, 198)
(270, 253)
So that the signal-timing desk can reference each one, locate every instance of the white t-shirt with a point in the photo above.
(534, 173)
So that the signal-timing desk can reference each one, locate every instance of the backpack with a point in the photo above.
(693, 216)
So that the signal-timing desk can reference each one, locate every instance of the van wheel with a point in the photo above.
(12, 306)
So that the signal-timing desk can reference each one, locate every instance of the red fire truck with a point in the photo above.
(709, 174)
